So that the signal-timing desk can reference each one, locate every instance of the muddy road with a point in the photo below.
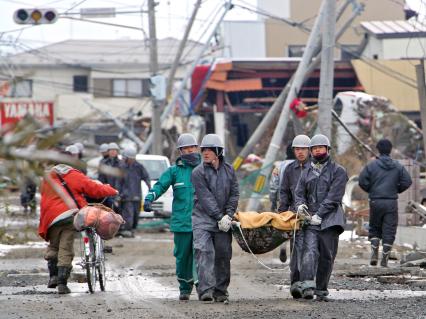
(142, 284)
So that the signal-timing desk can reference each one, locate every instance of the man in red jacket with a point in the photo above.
(57, 208)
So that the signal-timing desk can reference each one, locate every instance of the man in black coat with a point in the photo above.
(383, 179)
(319, 192)
(130, 190)
(215, 202)
(290, 178)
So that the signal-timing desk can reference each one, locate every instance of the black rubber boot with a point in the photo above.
(308, 293)
(296, 290)
(375, 242)
(207, 297)
(63, 275)
(283, 254)
(184, 296)
(385, 255)
(52, 264)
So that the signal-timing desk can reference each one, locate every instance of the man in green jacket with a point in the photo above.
(179, 177)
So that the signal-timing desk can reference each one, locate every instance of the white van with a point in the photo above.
(155, 165)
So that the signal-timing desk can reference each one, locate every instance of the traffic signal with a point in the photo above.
(158, 87)
(35, 16)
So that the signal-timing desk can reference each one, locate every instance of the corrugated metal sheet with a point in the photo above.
(395, 29)
(377, 82)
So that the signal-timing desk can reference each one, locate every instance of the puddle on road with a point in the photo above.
(346, 294)
(4, 249)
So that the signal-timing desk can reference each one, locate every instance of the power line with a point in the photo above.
(74, 6)
(387, 70)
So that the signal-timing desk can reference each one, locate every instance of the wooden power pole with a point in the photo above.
(157, 143)
(421, 89)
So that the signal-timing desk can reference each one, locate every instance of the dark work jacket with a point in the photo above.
(101, 176)
(323, 194)
(216, 194)
(114, 181)
(130, 184)
(288, 185)
(384, 178)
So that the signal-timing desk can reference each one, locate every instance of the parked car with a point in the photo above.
(155, 165)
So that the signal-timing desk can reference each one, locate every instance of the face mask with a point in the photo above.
(321, 157)
(192, 159)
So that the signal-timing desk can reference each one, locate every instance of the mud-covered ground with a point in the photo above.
(141, 284)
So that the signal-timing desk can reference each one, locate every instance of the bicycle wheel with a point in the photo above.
(100, 264)
(91, 263)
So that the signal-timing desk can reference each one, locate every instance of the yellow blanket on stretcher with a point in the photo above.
(283, 221)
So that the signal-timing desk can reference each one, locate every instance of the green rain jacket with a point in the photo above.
(179, 177)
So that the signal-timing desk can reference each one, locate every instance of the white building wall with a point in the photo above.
(56, 85)
(244, 39)
(374, 47)
(71, 106)
(280, 8)
(407, 48)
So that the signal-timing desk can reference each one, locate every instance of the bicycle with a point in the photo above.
(93, 258)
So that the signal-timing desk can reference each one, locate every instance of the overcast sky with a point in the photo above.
(172, 16)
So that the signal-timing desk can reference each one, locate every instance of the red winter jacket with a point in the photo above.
(52, 205)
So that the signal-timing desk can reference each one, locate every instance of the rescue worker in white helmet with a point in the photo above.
(291, 176)
(179, 177)
(215, 203)
(319, 192)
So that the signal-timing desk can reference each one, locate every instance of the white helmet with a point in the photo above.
(113, 146)
(212, 140)
(80, 147)
(72, 149)
(186, 139)
(301, 141)
(103, 148)
(319, 140)
(129, 152)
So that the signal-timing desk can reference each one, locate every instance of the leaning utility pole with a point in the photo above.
(278, 135)
(157, 145)
(325, 99)
(421, 88)
(228, 6)
(279, 102)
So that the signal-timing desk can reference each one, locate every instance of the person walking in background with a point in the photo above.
(383, 179)
(113, 180)
(130, 191)
(276, 178)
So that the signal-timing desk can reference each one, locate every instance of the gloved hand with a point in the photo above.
(147, 206)
(316, 220)
(302, 209)
(117, 201)
(225, 223)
